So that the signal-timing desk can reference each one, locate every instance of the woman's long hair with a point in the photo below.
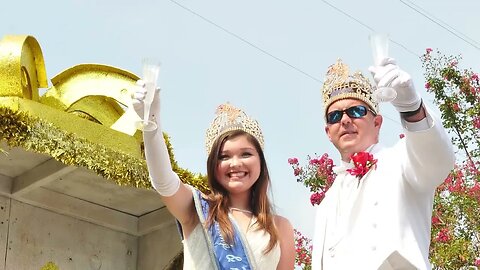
(219, 198)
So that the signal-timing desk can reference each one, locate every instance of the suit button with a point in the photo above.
(332, 252)
(374, 248)
(374, 225)
(375, 203)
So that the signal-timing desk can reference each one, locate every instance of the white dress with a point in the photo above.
(197, 255)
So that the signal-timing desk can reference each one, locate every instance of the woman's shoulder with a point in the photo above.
(282, 223)
(197, 192)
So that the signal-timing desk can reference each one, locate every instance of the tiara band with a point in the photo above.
(229, 118)
(339, 84)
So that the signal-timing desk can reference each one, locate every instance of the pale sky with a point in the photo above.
(266, 57)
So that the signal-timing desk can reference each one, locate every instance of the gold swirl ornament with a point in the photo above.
(22, 67)
(97, 92)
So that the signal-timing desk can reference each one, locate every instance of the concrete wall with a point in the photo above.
(30, 237)
(157, 248)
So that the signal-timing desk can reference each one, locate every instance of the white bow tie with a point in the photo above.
(342, 168)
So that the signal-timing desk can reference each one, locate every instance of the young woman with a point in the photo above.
(234, 226)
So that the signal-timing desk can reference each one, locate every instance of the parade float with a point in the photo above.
(74, 187)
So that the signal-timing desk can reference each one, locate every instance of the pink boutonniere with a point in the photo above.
(363, 162)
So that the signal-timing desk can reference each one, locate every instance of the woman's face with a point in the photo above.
(238, 166)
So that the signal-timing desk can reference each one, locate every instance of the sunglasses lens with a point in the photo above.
(357, 111)
(334, 117)
(352, 112)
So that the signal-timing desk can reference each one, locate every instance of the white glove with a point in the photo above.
(162, 177)
(388, 74)
(139, 96)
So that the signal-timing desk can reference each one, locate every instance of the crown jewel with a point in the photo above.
(230, 118)
(339, 84)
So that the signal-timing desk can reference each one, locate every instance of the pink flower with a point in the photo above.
(443, 236)
(476, 122)
(401, 135)
(317, 197)
(315, 161)
(363, 161)
(475, 189)
(429, 50)
(457, 184)
(330, 179)
(292, 161)
(435, 220)
(427, 86)
(303, 248)
(317, 175)
(477, 261)
(456, 107)
(297, 171)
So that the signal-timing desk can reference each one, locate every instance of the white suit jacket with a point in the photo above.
(390, 220)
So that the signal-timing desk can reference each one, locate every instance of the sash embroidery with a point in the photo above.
(230, 257)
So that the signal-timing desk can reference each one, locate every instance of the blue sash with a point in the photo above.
(229, 257)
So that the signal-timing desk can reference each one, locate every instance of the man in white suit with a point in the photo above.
(377, 214)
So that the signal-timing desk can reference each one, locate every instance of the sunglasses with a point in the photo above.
(352, 112)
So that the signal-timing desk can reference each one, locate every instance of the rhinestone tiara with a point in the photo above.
(230, 118)
(339, 84)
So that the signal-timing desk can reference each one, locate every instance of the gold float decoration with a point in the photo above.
(22, 67)
(96, 92)
(50, 266)
(82, 119)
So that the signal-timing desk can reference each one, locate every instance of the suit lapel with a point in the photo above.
(358, 196)
(326, 209)
(363, 182)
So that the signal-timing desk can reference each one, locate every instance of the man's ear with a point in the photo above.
(377, 121)
(327, 131)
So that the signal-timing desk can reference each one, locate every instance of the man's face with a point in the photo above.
(349, 134)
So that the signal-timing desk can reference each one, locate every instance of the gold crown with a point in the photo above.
(230, 118)
(339, 84)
